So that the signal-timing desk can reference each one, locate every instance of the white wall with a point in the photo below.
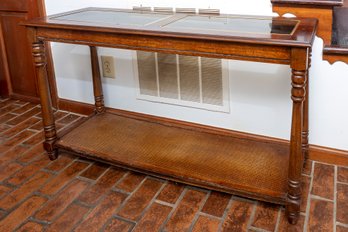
(259, 93)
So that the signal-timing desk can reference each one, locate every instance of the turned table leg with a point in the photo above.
(299, 74)
(305, 130)
(97, 84)
(38, 49)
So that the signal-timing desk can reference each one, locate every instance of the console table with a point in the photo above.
(211, 159)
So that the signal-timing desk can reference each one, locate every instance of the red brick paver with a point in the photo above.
(266, 216)
(216, 204)
(238, 216)
(321, 216)
(73, 194)
(323, 181)
(101, 213)
(92, 195)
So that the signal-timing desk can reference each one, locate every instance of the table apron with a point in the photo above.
(188, 46)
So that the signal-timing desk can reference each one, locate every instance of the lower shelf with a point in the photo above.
(243, 167)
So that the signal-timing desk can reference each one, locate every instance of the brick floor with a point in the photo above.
(73, 194)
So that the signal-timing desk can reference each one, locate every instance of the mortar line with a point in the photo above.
(278, 219)
(183, 193)
(199, 210)
(309, 199)
(335, 200)
(164, 183)
(252, 215)
(223, 218)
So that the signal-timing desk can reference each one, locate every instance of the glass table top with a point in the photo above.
(114, 17)
(235, 24)
(171, 22)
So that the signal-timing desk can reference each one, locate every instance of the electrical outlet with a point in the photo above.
(108, 66)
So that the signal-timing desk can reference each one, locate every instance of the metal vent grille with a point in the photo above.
(167, 76)
(182, 80)
(147, 73)
(189, 78)
(211, 83)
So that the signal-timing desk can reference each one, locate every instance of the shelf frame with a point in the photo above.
(231, 177)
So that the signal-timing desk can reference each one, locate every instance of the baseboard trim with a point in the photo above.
(316, 153)
(22, 97)
(75, 107)
(328, 155)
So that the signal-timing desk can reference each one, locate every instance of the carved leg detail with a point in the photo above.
(305, 146)
(305, 130)
(38, 49)
(294, 201)
(296, 160)
(97, 84)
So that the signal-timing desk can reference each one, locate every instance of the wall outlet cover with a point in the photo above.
(108, 66)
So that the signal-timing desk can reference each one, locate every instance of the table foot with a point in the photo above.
(293, 218)
(53, 155)
(52, 152)
(293, 209)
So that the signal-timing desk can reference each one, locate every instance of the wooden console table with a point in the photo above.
(255, 169)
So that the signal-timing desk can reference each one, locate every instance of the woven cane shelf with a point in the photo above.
(191, 156)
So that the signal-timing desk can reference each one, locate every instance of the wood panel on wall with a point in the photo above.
(322, 13)
(4, 72)
(17, 73)
(18, 53)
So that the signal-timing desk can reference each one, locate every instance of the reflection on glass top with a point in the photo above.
(114, 17)
(340, 39)
(340, 28)
(235, 24)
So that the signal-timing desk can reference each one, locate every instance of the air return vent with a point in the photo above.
(182, 80)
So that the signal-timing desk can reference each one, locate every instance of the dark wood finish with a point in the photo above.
(25, 98)
(49, 60)
(333, 54)
(75, 107)
(51, 75)
(97, 83)
(305, 129)
(336, 50)
(240, 166)
(5, 87)
(299, 67)
(21, 70)
(18, 5)
(18, 75)
(45, 96)
(312, 3)
(328, 155)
